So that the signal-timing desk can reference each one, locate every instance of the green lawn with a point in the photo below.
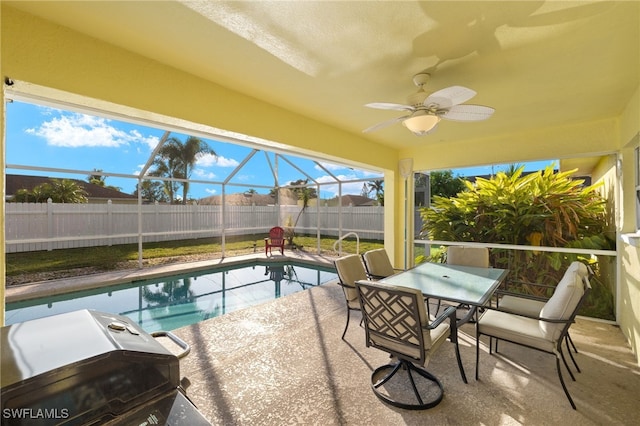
(109, 258)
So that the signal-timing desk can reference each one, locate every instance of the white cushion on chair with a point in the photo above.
(521, 305)
(578, 267)
(531, 307)
(515, 328)
(468, 256)
(562, 304)
(378, 263)
(351, 269)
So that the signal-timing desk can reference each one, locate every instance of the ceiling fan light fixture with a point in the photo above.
(421, 122)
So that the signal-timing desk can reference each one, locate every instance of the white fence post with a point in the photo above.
(156, 220)
(194, 214)
(50, 223)
(110, 224)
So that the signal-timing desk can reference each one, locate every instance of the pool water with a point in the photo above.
(171, 302)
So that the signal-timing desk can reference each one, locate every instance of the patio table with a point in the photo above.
(459, 284)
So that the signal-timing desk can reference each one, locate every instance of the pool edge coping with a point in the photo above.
(47, 288)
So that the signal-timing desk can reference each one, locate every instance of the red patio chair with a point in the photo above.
(275, 239)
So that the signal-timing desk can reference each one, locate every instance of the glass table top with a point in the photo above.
(462, 284)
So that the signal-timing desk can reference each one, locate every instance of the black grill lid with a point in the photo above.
(93, 364)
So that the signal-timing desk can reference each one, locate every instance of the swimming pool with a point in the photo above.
(168, 303)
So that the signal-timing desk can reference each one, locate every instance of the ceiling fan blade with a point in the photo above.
(385, 124)
(467, 113)
(450, 96)
(389, 105)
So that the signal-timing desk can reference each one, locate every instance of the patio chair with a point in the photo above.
(468, 256)
(396, 322)
(275, 239)
(378, 264)
(530, 305)
(477, 257)
(545, 332)
(350, 269)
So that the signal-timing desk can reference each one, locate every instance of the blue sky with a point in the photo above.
(47, 137)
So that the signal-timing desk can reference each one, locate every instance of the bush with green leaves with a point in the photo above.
(543, 209)
(59, 190)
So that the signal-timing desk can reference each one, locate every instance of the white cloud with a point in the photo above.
(347, 187)
(75, 130)
(208, 160)
(211, 191)
(204, 174)
(150, 141)
(353, 173)
(329, 166)
(227, 162)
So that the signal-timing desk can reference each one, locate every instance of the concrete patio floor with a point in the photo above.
(283, 362)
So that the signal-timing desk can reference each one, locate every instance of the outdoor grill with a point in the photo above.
(91, 368)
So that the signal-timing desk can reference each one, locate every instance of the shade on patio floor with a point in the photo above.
(284, 363)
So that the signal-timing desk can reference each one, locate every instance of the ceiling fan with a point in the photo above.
(427, 110)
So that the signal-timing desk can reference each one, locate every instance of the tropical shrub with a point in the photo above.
(59, 190)
(541, 209)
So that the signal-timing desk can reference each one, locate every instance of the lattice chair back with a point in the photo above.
(396, 321)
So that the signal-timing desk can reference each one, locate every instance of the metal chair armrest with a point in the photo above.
(450, 312)
(341, 284)
(375, 277)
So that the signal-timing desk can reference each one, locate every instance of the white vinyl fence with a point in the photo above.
(50, 226)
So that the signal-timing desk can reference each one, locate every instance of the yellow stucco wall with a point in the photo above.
(605, 174)
(629, 250)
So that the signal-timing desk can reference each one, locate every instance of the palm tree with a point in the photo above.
(176, 160)
(59, 190)
(100, 180)
(41, 193)
(152, 191)
(166, 167)
(23, 195)
(366, 190)
(378, 186)
(67, 191)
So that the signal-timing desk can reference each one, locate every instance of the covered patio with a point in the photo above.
(284, 363)
(563, 77)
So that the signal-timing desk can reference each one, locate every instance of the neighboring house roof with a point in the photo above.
(287, 198)
(352, 200)
(15, 182)
(357, 200)
(241, 199)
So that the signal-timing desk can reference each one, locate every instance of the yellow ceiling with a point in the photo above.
(540, 64)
